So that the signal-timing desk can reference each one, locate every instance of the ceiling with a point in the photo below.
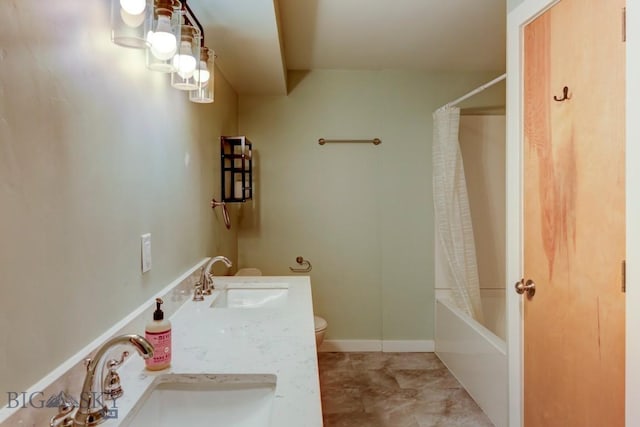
(256, 41)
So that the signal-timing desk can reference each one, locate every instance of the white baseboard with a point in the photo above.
(409, 346)
(343, 346)
(387, 346)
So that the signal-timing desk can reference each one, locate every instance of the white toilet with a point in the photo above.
(249, 272)
(320, 327)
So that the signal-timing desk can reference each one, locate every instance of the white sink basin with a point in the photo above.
(243, 400)
(259, 295)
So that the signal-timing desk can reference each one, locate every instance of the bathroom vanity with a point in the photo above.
(244, 356)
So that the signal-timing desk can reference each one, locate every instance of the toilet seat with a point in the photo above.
(249, 271)
(319, 323)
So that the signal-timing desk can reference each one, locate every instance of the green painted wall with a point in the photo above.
(362, 214)
(94, 151)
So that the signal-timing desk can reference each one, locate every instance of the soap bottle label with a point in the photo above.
(161, 342)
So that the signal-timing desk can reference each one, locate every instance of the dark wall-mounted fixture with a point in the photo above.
(236, 168)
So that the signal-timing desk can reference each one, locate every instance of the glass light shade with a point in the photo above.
(129, 29)
(204, 78)
(163, 35)
(133, 7)
(131, 20)
(202, 74)
(162, 40)
(184, 62)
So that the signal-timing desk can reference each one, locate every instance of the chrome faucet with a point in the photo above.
(206, 279)
(91, 411)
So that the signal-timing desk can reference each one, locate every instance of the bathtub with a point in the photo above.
(476, 355)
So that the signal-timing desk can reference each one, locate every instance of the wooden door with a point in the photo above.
(574, 216)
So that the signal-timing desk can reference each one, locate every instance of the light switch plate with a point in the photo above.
(146, 252)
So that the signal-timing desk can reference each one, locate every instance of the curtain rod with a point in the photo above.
(474, 92)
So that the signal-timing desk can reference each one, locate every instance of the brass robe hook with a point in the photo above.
(565, 95)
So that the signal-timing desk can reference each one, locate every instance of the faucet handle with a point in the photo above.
(115, 364)
(112, 388)
(63, 418)
(197, 293)
(208, 287)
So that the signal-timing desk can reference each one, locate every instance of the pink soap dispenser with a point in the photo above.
(158, 333)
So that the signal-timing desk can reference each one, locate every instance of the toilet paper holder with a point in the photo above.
(306, 265)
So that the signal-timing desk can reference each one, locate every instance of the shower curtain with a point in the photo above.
(454, 232)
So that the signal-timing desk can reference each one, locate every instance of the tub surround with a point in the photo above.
(206, 340)
(476, 357)
(493, 307)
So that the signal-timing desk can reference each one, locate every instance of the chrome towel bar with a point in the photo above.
(374, 141)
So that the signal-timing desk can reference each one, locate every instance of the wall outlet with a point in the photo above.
(146, 252)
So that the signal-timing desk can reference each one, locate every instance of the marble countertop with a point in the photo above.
(278, 341)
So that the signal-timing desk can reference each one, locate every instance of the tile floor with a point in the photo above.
(393, 390)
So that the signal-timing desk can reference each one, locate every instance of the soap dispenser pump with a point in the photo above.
(158, 333)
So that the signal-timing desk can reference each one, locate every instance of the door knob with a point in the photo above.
(529, 287)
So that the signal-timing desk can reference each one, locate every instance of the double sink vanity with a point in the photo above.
(244, 356)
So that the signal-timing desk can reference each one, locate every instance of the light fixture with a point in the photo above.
(162, 39)
(204, 77)
(184, 61)
(173, 40)
(129, 23)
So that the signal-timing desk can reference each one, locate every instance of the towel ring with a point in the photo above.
(225, 212)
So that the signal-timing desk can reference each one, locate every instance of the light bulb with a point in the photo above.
(202, 74)
(133, 21)
(133, 7)
(185, 64)
(163, 41)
